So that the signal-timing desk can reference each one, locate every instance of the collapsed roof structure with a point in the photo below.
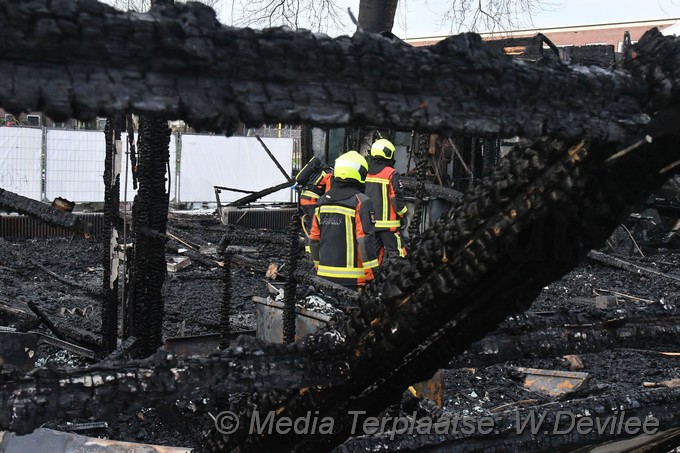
(594, 143)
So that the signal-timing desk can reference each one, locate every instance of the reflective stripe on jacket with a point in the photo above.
(342, 239)
(385, 189)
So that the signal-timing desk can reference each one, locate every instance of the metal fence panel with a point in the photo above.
(20, 161)
(238, 162)
(75, 165)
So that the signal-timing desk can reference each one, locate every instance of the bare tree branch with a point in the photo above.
(321, 16)
(142, 6)
(492, 15)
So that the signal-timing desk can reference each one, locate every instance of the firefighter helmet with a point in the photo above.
(383, 148)
(351, 166)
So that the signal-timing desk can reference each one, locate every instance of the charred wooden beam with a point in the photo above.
(295, 251)
(70, 394)
(262, 193)
(87, 289)
(659, 406)
(13, 202)
(499, 347)
(78, 335)
(325, 285)
(212, 75)
(149, 222)
(188, 239)
(630, 267)
(575, 326)
(112, 225)
(46, 320)
(478, 263)
(121, 351)
(484, 260)
(194, 255)
(447, 293)
(18, 314)
(444, 193)
(225, 309)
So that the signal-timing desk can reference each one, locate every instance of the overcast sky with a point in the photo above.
(419, 18)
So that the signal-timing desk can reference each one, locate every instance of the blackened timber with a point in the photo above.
(262, 193)
(250, 238)
(15, 312)
(106, 389)
(87, 289)
(413, 301)
(225, 309)
(443, 193)
(469, 271)
(11, 201)
(509, 435)
(121, 351)
(45, 320)
(149, 222)
(187, 238)
(239, 260)
(422, 154)
(326, 285)
(630, 267)
(78, 335)
(290, 293)
(195, 256)
(212, 76)
(476, 250)
(112, 224)
(231, 189)
(556, 341)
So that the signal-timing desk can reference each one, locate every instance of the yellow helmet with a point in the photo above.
(351, 166)
(383, 148)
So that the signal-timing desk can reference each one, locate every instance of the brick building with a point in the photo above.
(579, 35)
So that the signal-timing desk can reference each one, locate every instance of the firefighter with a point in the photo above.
(386, 191)
(342, 239)
(314, 180)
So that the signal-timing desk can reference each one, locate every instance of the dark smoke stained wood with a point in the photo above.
(407, 323)
(468, 273)
(12, 202)
(107, 389)
(112, 224)
(211, 76)
(662, 404)
(149, 223)
(574, 338)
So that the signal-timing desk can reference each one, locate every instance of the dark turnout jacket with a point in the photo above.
(342, 239)
(386, 191)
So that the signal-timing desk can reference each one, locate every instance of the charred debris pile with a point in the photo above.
(596, 144)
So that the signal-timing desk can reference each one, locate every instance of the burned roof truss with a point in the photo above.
(596, 142)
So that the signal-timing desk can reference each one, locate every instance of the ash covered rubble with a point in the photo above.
(596, 144)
